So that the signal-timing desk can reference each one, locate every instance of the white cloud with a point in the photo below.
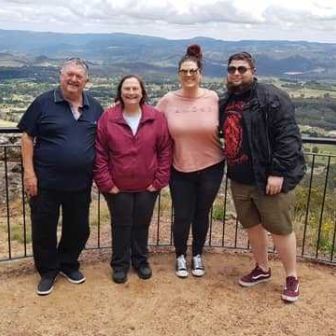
(226, 19)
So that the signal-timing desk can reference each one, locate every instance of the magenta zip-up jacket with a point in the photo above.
(132, 162)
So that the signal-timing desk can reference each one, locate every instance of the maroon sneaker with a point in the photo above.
(255, 277)
(291, 290)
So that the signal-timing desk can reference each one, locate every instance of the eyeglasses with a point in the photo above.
(241, 69)
(185, 72)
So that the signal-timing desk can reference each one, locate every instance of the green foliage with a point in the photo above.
(17, 234)
(317, 112)
(16, 231)
(327, 233)
(218, 211)
(319, 231)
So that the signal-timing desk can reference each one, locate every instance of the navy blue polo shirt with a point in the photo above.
(64, 149)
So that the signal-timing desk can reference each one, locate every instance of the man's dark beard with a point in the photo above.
(240, 88)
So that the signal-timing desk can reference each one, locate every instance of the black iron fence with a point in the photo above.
(314, 211)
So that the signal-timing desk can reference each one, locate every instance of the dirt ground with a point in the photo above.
(166, 305)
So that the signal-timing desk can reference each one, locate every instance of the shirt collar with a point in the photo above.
(58, 97)
(147, 113)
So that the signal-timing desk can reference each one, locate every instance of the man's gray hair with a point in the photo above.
(77, 61)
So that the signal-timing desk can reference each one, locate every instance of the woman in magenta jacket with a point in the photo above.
(133, 159)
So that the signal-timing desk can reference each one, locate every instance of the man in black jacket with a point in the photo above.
(265, 162)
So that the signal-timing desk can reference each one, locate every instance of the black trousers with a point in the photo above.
(49, 257)
(131, 214)
(193, 195)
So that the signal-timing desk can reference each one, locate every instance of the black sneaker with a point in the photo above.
(119, 276)
(75, 277)
(144, 272)
(46, 285)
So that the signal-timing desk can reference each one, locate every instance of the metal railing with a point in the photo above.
(314, 211)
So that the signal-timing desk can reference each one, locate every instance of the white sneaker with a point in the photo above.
(181, 267)
(197, 266)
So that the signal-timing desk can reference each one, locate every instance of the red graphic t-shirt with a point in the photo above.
(237, 150)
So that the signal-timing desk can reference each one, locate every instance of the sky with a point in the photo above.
(231, 20)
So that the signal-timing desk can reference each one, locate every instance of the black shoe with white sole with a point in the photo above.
(75, 277)
(46, 285)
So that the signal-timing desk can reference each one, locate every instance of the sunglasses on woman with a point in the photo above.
(185, 72)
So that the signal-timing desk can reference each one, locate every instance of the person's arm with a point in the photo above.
(29, 176)
(285, 141)
(161, 104)
(164, 149)
(101, 172)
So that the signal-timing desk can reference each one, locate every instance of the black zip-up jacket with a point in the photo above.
(273, 135)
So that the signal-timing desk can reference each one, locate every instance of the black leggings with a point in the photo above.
(131, 214)
(193, 195)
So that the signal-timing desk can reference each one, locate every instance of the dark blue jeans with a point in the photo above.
(131, 214)
(193, 195)
(49, 257)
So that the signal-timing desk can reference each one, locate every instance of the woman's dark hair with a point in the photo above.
(142, 85)
(194, 54)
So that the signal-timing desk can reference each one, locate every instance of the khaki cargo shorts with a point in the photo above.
(254, 207)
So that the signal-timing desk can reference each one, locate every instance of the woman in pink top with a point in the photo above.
(198, 162)
(133, 160)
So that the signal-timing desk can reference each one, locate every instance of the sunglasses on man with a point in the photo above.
(241, 69)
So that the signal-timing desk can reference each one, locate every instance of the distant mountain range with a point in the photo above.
(28, 51)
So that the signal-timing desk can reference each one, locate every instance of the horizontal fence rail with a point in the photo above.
(314, 212)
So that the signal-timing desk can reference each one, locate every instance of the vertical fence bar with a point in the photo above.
(158, 220)
(334, 238)
(210, 229)
(23, 210)
(98, 219)
(236, 233)
(171, 224)
(7, 205)
(224, 212)
(308, 206)
(322, 209)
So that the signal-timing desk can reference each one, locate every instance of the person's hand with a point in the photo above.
(151, 188)
(274, 185)
(30, 184)
(114, 190)
(114, 104)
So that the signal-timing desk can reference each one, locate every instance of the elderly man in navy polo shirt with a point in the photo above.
(58, 151)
